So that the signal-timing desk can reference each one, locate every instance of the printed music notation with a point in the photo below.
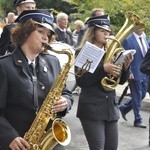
(89, 57)
(122, 55)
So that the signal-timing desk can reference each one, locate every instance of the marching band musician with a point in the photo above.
(98, 109)
(6, 45)
(146, 69)
(19, 100)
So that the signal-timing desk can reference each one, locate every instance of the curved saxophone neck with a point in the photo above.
(66, 51)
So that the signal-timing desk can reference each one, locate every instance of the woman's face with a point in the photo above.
(37, 39)
(100, 36)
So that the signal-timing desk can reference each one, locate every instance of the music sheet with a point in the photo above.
(122, 55)
(89, 57)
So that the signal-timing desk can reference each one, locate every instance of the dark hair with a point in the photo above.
(22, 31)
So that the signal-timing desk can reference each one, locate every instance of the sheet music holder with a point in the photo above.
(89, 57)
(122, 55)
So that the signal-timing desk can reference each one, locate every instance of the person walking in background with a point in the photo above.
(10, 17)
(138, 80)
(22, 90)
(78, 26)
(63, 34)
(98, 109)
(6, 45)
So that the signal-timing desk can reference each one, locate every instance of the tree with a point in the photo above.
(82, 8)
(116, 9)
(57, 6)
(5, 7)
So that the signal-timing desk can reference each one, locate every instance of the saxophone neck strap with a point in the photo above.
(35, 91)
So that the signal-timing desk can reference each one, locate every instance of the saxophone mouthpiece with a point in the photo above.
(48, 47)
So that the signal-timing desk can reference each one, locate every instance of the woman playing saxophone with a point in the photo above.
(23, 89)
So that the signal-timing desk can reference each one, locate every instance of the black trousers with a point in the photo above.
(59, 147)
(149, 130)
(101, 135)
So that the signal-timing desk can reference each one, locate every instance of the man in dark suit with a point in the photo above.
(6, 45)
(138, 80)
(63, 34)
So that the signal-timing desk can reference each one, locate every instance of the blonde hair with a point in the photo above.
(88, 36)
(80, 23)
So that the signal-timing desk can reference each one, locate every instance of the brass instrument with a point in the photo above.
(132, 23)
(60, 133)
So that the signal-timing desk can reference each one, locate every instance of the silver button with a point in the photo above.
(43, 87)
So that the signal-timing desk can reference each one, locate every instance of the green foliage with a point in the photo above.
(5, 7)
(57, 6)
(116, 9)
(81, 9)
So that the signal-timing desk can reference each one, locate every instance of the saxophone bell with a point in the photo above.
(59, 133)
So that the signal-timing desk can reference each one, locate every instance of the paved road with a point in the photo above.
(130, 138)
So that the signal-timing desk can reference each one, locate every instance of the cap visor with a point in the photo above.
(104, 27)
(27, 1)
(46, 25)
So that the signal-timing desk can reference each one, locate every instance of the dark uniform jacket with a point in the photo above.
(65, 37)
(17, 110)
(145, 67)
(94, 102)
(5, 40)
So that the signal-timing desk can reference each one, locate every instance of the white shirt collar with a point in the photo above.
(63, 30)
(137, 36)
(29, 61)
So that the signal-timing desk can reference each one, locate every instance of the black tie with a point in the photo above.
(143, 48)
(33, 69)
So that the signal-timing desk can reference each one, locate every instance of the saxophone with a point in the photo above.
(132, 23)
(59, 132)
